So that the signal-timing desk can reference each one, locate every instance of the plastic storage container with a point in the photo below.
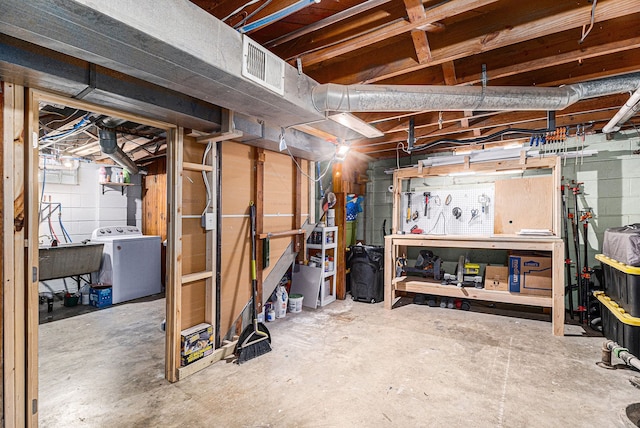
(621, 284)
(618, 325)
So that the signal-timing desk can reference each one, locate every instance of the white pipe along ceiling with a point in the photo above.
(200, 56)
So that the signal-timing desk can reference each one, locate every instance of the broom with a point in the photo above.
(255, 339)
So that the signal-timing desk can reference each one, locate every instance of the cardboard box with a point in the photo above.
(196, 342)
(100, 296)
(496, 278)
(530, 275)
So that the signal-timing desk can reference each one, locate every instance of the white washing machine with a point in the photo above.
(130, 262)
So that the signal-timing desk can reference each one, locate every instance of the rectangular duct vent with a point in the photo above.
(261, 66)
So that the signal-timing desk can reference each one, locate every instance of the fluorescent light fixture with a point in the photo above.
(505, 172)
(356, 124)
(460, 174)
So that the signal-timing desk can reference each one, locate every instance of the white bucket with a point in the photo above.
(331, 217)
(295, 303)
(85, 298)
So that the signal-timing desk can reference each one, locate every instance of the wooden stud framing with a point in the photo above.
(2, 248)
(14, 339)
(32, 209)
(173, 292)
(259, 158)
(299, 240)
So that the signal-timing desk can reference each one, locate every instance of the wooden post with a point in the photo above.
(174, 254)
(32, 210)
(338, 189)
(259, 158)
(298, 240)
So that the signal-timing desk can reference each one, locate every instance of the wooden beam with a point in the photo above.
(221, 353)
(449, 72)
(576, 55)
(436, 14)
(468, 46)
(421, 45)
(196, 276)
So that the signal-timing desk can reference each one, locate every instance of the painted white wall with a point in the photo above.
(85, 208)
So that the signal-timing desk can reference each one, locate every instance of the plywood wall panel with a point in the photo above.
(237, 178)
(194, 246)
(192, 151)
(278, 184)
(235, 270)
(193, 304)
(194, 194)
(524, 203)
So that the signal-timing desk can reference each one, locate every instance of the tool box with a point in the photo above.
(618, 325)
(621, 284)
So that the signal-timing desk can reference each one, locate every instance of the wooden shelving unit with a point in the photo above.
(397, 243)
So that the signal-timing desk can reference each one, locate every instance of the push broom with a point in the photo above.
(255, 339)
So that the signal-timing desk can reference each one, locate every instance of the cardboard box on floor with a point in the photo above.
(530, 275)
(496, 278)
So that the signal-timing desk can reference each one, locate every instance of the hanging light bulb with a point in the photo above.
(67, 160)
(341, 151)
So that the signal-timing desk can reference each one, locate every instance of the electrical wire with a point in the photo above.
(239, 9)
(205, 179)
(44, 179)
(586, 32)
(315, 180)
(251, 15)
(479, 139)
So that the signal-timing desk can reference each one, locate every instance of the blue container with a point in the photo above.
(100, 296)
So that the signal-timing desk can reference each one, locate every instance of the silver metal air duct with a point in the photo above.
(392, 98)
(109, 146)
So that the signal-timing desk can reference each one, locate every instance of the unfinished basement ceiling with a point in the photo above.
(70, 133)
(544, 43)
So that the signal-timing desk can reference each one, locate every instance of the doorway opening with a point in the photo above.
(102, 236)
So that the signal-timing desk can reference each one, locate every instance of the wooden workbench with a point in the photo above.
(416, 285)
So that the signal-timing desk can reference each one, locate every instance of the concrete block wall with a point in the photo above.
(611, 186)
(85, 208)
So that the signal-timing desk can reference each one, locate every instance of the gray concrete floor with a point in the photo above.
(346, 365)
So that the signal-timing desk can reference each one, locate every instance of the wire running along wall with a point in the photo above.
(464, 210)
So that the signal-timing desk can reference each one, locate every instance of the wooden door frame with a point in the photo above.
(27, 340)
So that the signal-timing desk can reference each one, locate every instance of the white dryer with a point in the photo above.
(130, 262)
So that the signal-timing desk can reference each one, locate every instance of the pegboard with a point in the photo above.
(450, 210)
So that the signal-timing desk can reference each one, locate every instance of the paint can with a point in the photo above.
(295, 303)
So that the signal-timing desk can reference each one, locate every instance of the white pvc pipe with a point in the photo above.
(629, 108)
